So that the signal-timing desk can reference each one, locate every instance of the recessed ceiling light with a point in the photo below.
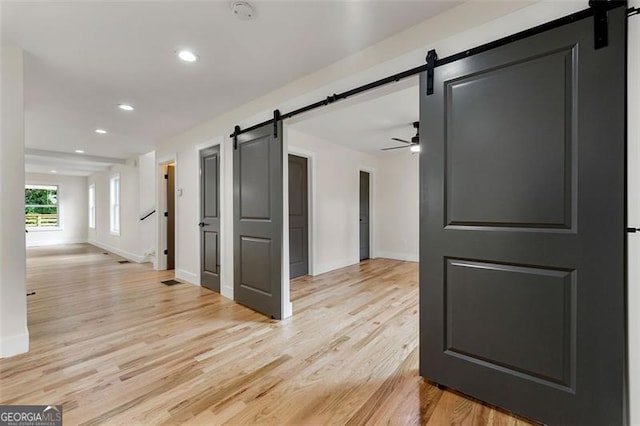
(126, 107)
(415, 148)
(53, 171)
(187, 56)
(79, 151)
(101, 131)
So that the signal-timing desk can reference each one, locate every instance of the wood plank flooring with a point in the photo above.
(115, 346)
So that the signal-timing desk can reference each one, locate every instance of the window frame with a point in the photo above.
(92, 206)
(115, 187)
(59, 226)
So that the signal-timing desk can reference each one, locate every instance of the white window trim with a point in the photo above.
(92, 213)
(60, 226)
(112, 230)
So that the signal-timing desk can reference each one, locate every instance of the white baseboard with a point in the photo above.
(187, 276)
(55, 242)
(14, 345)
(321, 269)
(226, 291)
(287, 310)
(409, 257)
(137, 258)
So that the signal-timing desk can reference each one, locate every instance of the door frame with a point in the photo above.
(224, 252)
(372, 239)
(160, 263)
(311, 200)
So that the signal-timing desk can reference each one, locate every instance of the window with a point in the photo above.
(41, 206)
(92, 206)
(114, 211)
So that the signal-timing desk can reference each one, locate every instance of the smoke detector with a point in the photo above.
(242, 10)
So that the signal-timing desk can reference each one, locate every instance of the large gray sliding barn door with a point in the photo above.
(257, 187)
(210, 218)
(522, 238)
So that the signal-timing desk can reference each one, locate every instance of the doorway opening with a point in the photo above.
(365, 186)
(365, 201)
(298, 216)
(167, 196)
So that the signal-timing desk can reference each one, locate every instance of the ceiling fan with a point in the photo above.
(414, 144)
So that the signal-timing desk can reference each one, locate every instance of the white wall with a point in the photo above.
(147, 203)
(128, 244)
(72, 211)
(188, 258)
(14, 336)
(397, 209)
(335, 200)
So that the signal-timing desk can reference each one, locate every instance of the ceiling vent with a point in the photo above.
(242, 10)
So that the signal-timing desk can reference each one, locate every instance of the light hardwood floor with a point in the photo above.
(115, 346)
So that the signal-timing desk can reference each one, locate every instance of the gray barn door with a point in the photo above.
(364, 215)
(522, 238)
(210, 218)
(298, 217)
(258, 192)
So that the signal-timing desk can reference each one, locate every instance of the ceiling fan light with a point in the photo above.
(415, 148)
(187, 56)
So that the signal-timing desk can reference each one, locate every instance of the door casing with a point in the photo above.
(170, 216)
(160, 262)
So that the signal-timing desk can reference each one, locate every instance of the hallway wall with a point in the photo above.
(127, 244)
(398, 207)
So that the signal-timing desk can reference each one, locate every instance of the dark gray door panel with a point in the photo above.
(477, 191)
(522, 242)
(258, 192)
(210, 218)
(298, 217)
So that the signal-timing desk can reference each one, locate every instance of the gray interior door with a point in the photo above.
(522, 238)
(364, 215)
(210, 218)
(258, 204)
(170, 214)
(298, 217)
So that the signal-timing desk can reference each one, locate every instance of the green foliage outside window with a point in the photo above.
(41, 206)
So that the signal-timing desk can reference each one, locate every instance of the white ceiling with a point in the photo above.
(82, 58)
(368, 124)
